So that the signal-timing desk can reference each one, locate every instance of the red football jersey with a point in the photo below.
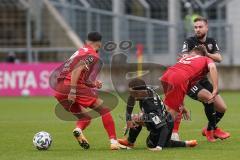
(89, 57)
(191, 68)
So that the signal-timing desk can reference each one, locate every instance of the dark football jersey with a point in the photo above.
(191, 42)
(152, 104)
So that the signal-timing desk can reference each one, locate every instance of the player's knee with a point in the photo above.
(204, 95)
(98, 107)
(68, 106)
(104, 111)
(98, 103)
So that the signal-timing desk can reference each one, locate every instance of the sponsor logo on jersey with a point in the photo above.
(217, 47)
(210, 46)
(185, 47)
(89, 60)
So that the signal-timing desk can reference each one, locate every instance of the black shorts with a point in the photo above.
(203, 84)
(162, 136)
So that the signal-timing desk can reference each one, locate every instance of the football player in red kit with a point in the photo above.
(202, 90)
(179, 78)
(76, 83)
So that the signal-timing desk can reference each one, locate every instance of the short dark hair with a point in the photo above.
(201, 19)
(94, 36)
(199, 50)
(137, 84)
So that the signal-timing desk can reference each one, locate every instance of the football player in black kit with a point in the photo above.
(154, 116)
(214, 106)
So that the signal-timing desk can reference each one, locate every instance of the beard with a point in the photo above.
(200, 36)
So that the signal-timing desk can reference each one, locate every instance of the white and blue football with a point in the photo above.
(42, 140)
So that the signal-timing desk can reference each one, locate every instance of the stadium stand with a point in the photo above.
(12, 23)
(133, 7)
(159, 9)
(103, 4)
(64, 23)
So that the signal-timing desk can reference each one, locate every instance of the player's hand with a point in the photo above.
(72, 97)
(205, 49)
(98, 84)
(212, 98)
(130, 124)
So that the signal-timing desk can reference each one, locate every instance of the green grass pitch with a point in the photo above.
(21, 118)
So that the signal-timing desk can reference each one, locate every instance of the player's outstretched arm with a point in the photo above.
(76, 73)
(74, 79)
(129, 110)
(215, 56)
(214, 77)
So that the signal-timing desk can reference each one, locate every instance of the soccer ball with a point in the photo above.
(42, 140)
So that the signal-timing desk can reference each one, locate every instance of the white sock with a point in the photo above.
(78, 129)
(113, 141)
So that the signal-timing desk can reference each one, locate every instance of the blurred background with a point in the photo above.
(37, 35)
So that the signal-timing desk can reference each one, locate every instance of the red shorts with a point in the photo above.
(174, 89)
(86, 97)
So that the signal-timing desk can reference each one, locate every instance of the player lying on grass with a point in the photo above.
(77, 84)
(181, 77)
(154, 116)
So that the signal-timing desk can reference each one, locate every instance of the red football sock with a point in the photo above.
(108, 123)
(83, 123)
(177, 122)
